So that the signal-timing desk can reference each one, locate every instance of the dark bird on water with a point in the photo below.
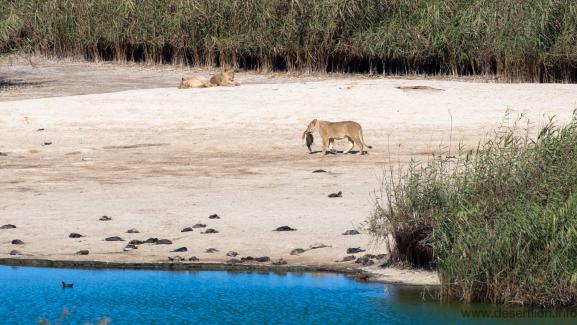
(67, 285)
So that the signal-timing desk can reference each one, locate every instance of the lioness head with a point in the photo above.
(228, 74)
(313, 125)
(182, 84)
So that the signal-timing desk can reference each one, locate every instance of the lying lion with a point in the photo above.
(223, 78)
(329, 131)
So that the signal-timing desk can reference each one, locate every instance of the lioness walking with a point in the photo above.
(329, 131)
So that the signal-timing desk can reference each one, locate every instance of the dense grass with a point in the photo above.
(513, 40)
(499, 223)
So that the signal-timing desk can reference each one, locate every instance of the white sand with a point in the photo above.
(232, 151)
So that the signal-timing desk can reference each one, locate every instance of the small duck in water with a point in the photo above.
(67, 285)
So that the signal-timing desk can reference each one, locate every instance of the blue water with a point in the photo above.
(28, 295)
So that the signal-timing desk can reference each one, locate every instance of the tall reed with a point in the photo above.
(513, 40)
(499, 223)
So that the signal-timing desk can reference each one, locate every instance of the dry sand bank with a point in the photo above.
(163, 159)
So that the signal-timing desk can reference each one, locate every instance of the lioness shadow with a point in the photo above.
(334, 152)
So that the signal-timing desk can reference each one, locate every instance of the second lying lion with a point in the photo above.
(329, 131)
(223, 78)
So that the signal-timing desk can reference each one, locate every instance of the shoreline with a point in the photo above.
(359, 274)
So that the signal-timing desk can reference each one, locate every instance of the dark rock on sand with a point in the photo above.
(211, 250)
(180, 249)
(318, 245)
(15, 252)
(354, 250)
(130, 247)
(17, 242)
(3, 154)
(349, 258)
(262, 259)
(320, 171)
(333, 195)
(41, 129)
(176, 259)
(47, 143)
(75, 235)
(164, 242)
(297, 251)
(8, 226)
(232, 254)
(199, 225)
(151, 240)
(194, 259)
(365, 261)
(210, 231)
(247, 259)
(351, 232)
(133, 231)
(105, 218)
(114, 238)
(214, 216)
(234, 261)
(82, 252)
(135, 242)
(284, 228)
(280, 261)
(187, 229)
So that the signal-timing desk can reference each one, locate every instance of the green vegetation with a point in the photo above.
(499, 223)
(513, 40)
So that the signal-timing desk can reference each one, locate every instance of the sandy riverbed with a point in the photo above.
(161, 159)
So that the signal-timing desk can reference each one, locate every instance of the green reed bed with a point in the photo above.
(513, 40)
(499, 223)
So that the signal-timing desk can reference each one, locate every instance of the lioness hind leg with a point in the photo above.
(357, 140)
(351, 145)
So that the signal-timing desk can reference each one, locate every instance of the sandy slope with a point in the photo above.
(162, 159)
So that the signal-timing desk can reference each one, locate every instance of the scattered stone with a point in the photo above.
(212, 250)
(284, 228)
(234, 261)
(151, 240)
(232, 254)
(214, 216)
(371, 256)
(82, 252)
(193, 259)
(135, 242)
(199, 225)
(262, 259)
(130, 247)
(280, 261)
(75, 235)
(133, 231)
(3, 154)
(297, 251)
(176, 259)
(187, 229)
(365, 261)
(351, 232)
(114, 238)
(47, 143)
(17, 242)
(105, 218)
(319, 171)
(354, 250)
(8, 226)
(210, 231)
(339, 194)
(15, 252)
(164, 242)
(38, 130)
(318, 245)
(180, 249)
(247, 259)
(349, 258)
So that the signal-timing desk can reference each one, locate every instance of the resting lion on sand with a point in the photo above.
(223, 78)
(329, 131)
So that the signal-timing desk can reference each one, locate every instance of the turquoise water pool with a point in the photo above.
(28, 295)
